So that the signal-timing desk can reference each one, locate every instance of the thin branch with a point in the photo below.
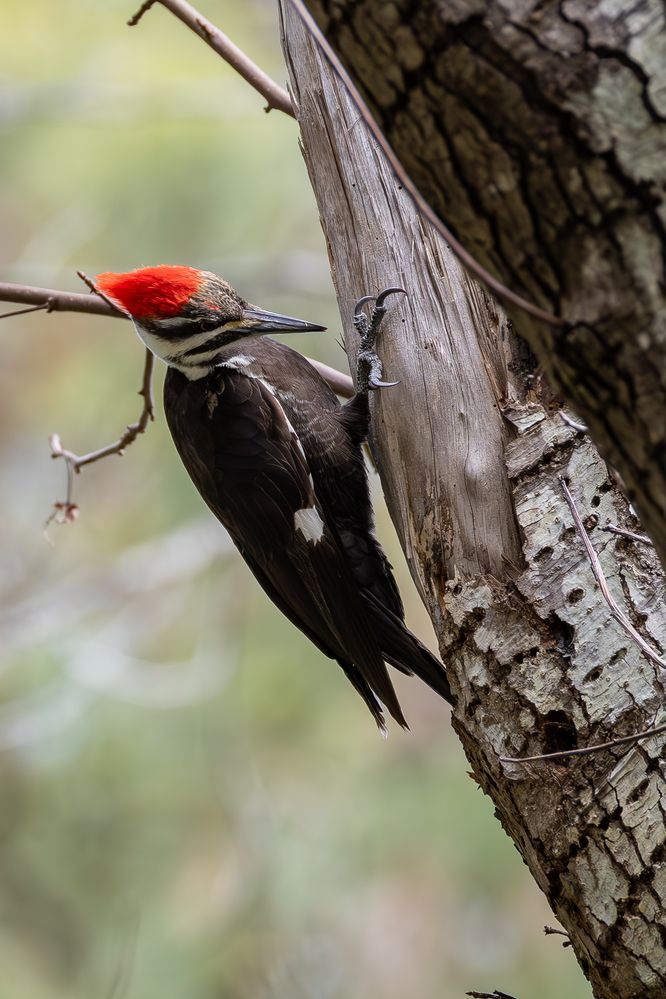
(465, 257)
(276, 96)
(597, 747)
(641, 538)
(76, 462)
(21, 312)
(615, 610)
(66, 512)
(62, 301)
(144, 8)
(570, 422)
(57, 301)
(100, 294)
(551, 931)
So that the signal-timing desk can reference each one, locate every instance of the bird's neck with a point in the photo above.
(195, 355)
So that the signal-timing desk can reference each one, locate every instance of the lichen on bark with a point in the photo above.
(471, 447)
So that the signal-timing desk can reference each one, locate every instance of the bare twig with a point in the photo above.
(135, 18)
(57, 301)
(100, 294)
(551, 931)
(31, 308)
(276, 96)
(570, 422)
(465, 257)
(597, 747)
(62, 301)
(65, 512)
(641, 538)
(615, 610)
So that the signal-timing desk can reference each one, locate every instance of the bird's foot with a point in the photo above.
(369, 366)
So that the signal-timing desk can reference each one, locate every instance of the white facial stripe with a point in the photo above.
(157, 346)
(309, 523)
(172, 352)
(169, 348)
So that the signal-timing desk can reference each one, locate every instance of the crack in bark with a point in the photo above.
(620, 56)
(528, 644)
(512, 88)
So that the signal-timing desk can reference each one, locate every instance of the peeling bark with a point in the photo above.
(470, 447)
(537, 131)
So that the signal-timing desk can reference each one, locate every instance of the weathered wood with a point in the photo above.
(537, 131)
(470, 447)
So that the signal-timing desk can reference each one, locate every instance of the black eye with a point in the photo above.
(208, 325)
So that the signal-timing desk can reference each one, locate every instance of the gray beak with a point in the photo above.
(258, 321)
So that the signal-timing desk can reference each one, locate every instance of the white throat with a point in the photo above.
(167, 350)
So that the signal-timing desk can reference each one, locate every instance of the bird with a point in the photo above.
(279, 461)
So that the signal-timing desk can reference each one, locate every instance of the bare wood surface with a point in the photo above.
(537, 132)
(471, 448)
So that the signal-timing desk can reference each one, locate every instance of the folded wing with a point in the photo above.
(248, 463)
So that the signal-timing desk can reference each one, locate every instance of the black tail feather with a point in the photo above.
(368, 696)
(404, 651)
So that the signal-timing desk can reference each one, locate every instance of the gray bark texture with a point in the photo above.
(471, 448)
(537, 132)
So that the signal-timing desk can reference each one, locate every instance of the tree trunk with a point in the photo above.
(471, 447)
(537, 131)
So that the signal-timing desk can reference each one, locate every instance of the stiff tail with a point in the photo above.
(404, 651)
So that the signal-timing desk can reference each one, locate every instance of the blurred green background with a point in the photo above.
(194, 804)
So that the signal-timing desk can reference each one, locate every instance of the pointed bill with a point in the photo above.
(258, 321)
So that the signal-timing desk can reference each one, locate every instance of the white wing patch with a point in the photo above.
(237, 362)
(309, 523)
(307, 520)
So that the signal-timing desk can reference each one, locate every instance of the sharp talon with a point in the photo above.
(362, 301)
(376, 384)
(385, 294)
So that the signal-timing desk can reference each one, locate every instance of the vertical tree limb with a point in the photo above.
(537, 132)
(471, 448)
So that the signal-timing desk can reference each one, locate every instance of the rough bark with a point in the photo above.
(470, 447)
(537, 131)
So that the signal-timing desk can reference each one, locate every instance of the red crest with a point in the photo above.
(151, 292)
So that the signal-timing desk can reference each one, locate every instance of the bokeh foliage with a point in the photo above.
(195, 804)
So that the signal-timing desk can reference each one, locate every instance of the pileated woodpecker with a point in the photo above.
(279, 462)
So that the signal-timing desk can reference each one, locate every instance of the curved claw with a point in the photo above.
(385, 294)
(377, 384)
(362, 301)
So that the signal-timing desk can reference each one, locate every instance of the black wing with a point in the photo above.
(332, 437)
(247, 462)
